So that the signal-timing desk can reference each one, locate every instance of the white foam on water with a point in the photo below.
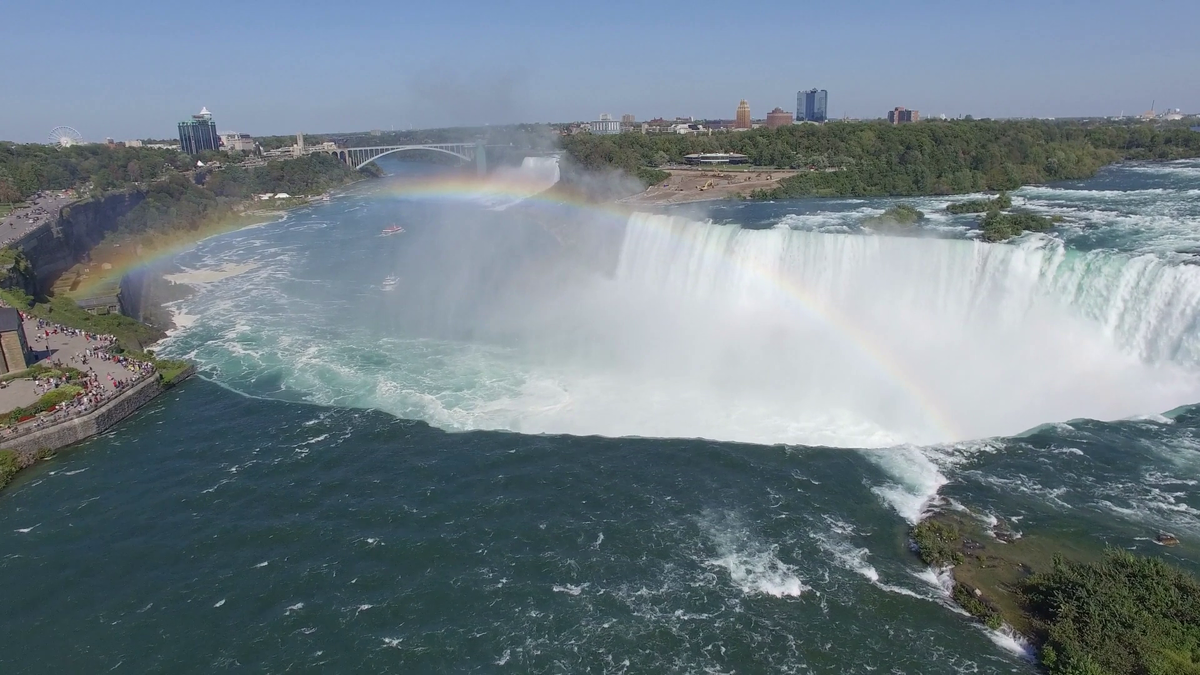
(854, 558)
(295, 608)
(753, 567)
(919, 480)
(568, 588)
(196, 277)
(1011, 641)
(940, 580)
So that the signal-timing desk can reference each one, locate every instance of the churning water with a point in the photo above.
(238, 523)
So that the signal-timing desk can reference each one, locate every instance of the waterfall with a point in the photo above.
(943, 338)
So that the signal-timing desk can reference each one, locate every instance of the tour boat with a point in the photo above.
(395, 229)
(390, 283)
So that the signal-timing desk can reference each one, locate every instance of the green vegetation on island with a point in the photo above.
(1087, 610)
(895, 217)
(878, 159)
(1000, 203)
(1122, 614)
(999, 226)
(938, 542)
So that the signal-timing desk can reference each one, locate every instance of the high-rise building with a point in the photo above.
(742, 120)
(627, 119)
(811, 105)
(199, 133)
(606, 125)
(901, 116)
(778, 118)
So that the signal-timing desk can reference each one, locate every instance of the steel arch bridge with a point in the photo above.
(360, 157)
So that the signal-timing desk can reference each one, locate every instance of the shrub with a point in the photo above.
(900, 214)
(1124, 614)
(938, 543)
(8, 466)
(1000, 226)
(1001, 202)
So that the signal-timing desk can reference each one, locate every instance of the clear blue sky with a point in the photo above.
(133, 68)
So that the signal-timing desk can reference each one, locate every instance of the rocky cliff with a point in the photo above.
(55, 248)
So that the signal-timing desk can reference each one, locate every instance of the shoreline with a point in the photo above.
(147, 250)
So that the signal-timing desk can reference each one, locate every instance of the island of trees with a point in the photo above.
(854, 159)
(1001, 202)
(1110, 613)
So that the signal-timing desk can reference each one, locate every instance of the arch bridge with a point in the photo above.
(360, 157)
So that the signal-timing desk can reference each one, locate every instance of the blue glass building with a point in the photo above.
(811, 105)
(199, 133)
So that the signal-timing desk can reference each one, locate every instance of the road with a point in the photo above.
(39, 210)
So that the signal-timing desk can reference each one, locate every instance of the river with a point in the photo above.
(535, 436)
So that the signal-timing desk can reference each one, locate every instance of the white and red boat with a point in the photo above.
(395, 229)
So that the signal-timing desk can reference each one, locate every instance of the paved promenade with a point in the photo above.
(54, 345)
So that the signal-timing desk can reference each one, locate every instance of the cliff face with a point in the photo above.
(54, 249)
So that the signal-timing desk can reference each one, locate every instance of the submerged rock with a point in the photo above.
(1167, 539)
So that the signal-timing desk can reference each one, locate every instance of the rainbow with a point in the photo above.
(462, 188)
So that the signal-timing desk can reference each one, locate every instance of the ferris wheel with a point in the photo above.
(65, 137)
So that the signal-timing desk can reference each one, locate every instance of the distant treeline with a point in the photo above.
(29, 168)
(180, 203)
(875, 158)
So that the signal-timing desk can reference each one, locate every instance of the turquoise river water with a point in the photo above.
(534, 437)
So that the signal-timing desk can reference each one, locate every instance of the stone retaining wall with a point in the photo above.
(76, 429)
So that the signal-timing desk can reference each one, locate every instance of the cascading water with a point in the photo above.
(938, 339)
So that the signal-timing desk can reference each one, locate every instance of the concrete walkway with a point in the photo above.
(67, 350)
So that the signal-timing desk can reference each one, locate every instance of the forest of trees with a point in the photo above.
(179, 202)
(876, 158)
(28, 168)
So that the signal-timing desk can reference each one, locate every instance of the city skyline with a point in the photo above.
(472, 64)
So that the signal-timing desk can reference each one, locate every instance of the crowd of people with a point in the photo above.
(98, 385)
